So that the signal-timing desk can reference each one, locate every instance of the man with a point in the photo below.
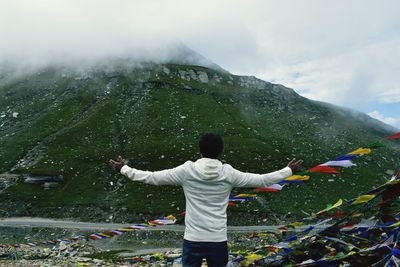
(207, 184)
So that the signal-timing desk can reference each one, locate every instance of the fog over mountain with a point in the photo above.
(305, 45)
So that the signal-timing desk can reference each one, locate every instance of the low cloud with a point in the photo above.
(389, 120)
(344, 52)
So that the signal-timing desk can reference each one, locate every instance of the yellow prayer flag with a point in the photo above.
(361, 150)
(392, 182)
(294, 244)
(171, 217)
(104, 235)
(249, 259)
(363, 199)
(394, 225)
(253, 257)
(246, 195)
(296, 224)
(298, 178)
(337, 204)
(263, 235)
(126, 229)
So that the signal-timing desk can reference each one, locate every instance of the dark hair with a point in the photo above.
(211, 145)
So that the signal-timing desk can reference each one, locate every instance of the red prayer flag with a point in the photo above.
(395, 136)
(253, 235)
(94, 237)
(266, 189)
(324, 169)
(350, 224)
(156, 222)
(272, 249)
(232, 204)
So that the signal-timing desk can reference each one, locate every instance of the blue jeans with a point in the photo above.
(216, 253)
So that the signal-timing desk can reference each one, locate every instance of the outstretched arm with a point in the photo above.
(165, 177)
(245, 179)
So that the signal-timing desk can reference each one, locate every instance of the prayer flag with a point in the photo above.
(394, 224)
(95, 237)
(170, 217)
(324, 169)
(290, 182)
(245, 195)
(156, 222)
(306, 172)
(375, 145)
(298, 178)
(395, 136)
(361, 151)
(232, 204)
(337, 204)
(396, 252)
(295, 224)
(308, 229)
(272, 188)
(116, 232)
(339, 163)
(346, 157)
(363, 199)
(104, 235)
(162, 221)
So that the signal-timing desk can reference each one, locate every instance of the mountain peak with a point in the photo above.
(173, 52)
(182, 54)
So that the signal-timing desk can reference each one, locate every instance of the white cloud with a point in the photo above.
(345, 52)
(390, 95)
(389, 120)
(353, 78)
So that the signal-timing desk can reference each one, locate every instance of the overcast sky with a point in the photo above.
(345, 52)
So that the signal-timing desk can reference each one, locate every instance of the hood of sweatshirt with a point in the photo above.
(209, 168)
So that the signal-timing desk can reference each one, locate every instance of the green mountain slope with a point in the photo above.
(59, 121)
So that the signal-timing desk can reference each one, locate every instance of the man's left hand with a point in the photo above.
(117, 164)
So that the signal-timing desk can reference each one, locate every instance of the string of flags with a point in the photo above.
(170, 219)
(346, 241)
(348, 233)
(328, 167)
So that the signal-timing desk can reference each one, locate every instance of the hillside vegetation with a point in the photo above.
(61, 121)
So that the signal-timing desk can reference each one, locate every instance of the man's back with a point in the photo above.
(207, 189)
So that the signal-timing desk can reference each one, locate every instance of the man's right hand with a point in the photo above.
(117, 164)
(295, 165)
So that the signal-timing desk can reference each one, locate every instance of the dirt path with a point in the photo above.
(21, 222)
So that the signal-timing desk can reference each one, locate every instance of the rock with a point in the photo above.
(49, 185)
(166, 70)
(389, 172)
(39, 179)
(203, 77)
(62, 246)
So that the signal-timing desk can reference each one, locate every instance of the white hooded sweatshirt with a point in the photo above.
(207, 184)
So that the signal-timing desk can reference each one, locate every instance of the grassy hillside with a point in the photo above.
(58, 121)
